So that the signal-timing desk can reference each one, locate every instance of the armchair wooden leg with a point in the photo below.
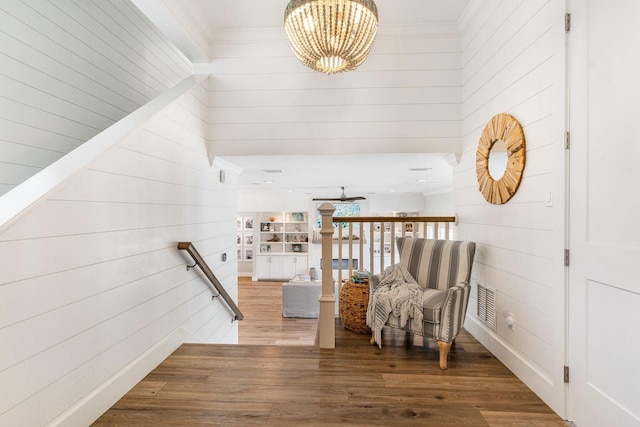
(444, 348)
(372, 341)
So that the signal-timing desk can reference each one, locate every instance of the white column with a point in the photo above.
(326, 320)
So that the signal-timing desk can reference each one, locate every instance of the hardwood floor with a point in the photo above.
(259, 383)
(263, 324)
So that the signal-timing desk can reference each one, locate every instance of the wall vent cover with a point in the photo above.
(487, 306)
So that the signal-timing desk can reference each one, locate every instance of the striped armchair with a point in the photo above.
(442, 268)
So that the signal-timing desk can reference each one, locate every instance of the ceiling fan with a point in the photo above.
(342, 198)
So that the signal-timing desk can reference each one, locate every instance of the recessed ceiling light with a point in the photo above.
(419, 169)
(422, 180)
(272, 170)
(268, 182)
(392, 190)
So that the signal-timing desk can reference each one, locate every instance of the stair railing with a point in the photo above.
(354, 231)
(213, 282)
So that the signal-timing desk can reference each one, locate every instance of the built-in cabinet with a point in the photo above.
(281, 266)
(283, 245)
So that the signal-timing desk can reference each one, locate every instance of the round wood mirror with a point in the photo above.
(501, 129)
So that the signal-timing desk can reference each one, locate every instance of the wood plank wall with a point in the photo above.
(512, 63)
(406, 95)
(92, 282)
(93, 292)
(70, 70)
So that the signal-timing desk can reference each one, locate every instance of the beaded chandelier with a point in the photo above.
(331, 36)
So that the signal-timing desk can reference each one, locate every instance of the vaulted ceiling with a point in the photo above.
(365, 129)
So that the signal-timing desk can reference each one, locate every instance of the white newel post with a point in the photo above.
(327, 321)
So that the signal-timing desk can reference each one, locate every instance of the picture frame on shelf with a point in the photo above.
(248, 223)
(296, 247)
(297, 216)
(408, 227)
(248, 239)
(248, 254)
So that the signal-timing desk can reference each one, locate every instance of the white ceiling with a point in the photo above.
(324, 174)
(361, 174)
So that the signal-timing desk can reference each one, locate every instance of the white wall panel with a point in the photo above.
(92, 279)
(355, 130)
(335, 97)
(328, 113)
(397, 78)
(38, 139)
(409, 88)
(438, 205)
(276, 47)
(13, 174)
(71, 69)
(13, 169)
(511, 64)
(432, 44)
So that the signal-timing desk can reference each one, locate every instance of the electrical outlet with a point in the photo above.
(511, 321)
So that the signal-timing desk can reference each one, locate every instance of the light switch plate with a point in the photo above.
(548, 198)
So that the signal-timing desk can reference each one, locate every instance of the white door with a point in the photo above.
(604, 237)
(276, 267)
(294, 264)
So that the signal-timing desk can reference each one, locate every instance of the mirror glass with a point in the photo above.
(498, 159)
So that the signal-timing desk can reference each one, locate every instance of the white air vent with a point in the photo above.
(487, 305)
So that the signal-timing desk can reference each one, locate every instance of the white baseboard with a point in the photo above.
(92, 406)
(538, 380)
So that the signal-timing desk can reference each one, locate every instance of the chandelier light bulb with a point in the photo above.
(331, 36)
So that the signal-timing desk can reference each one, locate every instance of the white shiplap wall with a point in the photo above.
(438, 205)
(404, 98)
(94, 293)
(69, 70)
(512, 62)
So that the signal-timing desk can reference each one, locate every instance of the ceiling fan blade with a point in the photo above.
(342, 198)
(339, 199)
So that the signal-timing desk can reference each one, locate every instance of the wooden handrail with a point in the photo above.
(394, 219)
(214, 282)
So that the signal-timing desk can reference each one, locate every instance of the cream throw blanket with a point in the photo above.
(397, 294)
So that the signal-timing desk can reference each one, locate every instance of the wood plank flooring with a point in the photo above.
(259, 383)
(263, 324)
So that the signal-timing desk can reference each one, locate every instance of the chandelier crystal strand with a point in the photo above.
(331, 36)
